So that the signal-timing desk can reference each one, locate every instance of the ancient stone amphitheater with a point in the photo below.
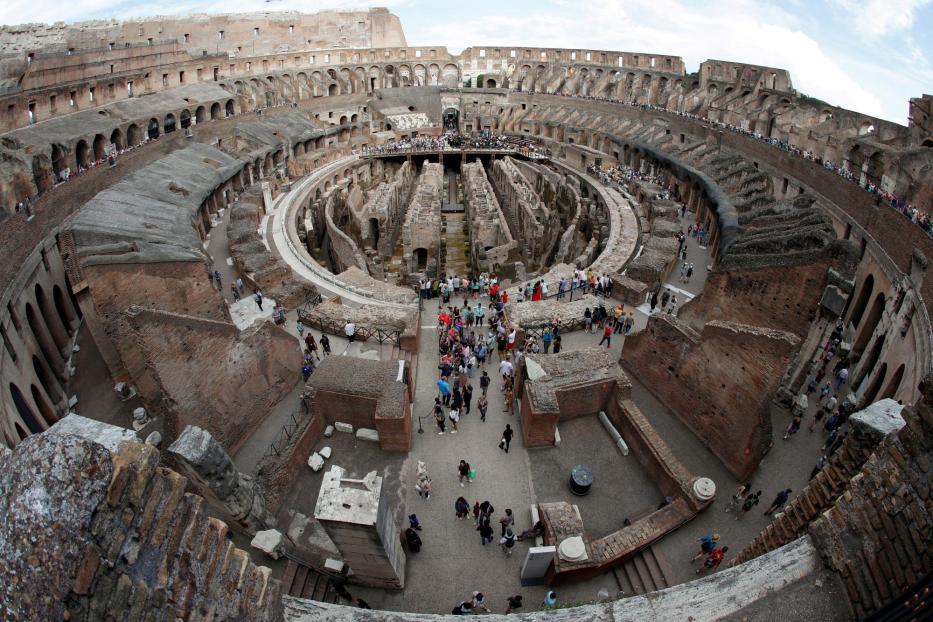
(163, 431)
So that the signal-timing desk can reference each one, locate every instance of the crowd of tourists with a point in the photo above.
(454, 141)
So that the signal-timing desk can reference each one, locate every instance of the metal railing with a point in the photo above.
(379, 334)
(288, 432)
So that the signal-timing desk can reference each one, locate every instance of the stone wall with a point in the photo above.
(386, 204)
(206, 373)
(719, 381)
(117, 537)
(491, 242)
(528, 218)
(275, 472)
(422, 228)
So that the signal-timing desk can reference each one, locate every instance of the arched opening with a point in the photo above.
(185, 119)
(23, 434)
(343, 120)
(421, 258)
(65, 313)
(82, 153)
(51, 387)
(100, 147)
(490, 83)
(870, 361)
(59, 333)
(354, 118)
(133, 137)
(388, 126)
(374, 231)
(215, 111)
(200, 113)
(229, 108)
(58, 160)
(46, 345)
(872, 392)
(25, 413)
(894, 384)
(871, 322)
(169, 125)
(863, 297)
(332, 90)
(45, 409)
(153, 129)
(42, 172)
(116, 139)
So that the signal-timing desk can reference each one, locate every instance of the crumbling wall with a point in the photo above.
(423, 219)
(115, 536)
(208, 374)
(719, 382)
(386, 204)
(490, 239)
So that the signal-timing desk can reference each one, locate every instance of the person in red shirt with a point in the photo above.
(715, 558)
(607, 335)
(505, 297)
(493, 291)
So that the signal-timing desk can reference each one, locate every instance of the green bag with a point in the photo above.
(472, 474)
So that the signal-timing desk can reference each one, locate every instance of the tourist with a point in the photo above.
(483, 405)
(588, 320)
(509, 398)
(362, 604)
(507, 520)
(311, 345)
(423, 486)
(841, 377)
(546, 337)
(484, 383)
(325, 344)
(467, 397)
(239, 285)
(218, 281)
(607, 336)
(413, 522)
(234, 292)
(349, 329)
(257, 296)
(341, 590)
(454, 416)
(550, 599)
(300, 328)
(485, 531)
(557, 342)
(778, 502)
(463, 609)
(507, 541)
(515, 602)
(506, 369)
(535, 531)
(750, 502)
(443, 388)
(439, 417)
(461, 507)
(463, 471)
(506, 439)
(736, 502)
(479, 602)
(707, 544)
(819, 466)
(476, 513)
(413, 540)
(715, 558)
(793, 428)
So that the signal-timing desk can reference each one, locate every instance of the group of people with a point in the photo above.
(453, 141)
(486, 285)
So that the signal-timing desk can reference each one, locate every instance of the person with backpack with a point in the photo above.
(507, 542)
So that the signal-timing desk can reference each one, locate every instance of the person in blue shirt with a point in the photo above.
(444, 387)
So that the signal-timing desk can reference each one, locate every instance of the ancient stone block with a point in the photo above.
(271, 542)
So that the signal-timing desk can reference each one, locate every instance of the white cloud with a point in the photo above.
(882, 17)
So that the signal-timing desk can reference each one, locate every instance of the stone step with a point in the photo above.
(644, 574)
(657, 564)
(299, 583)
(289, 577)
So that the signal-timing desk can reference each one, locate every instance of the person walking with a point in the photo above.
(349, 329)
(556, 344)
(454, 416)
(325, 344)
(507, 541)
(550, 599)
(439, 418)
(235, 292)
(461, 507)
(546, 339)
(707, 544)
(819, 466)
(467, 397)
(258, 298)
(607, 336)
(240, 286)
(507, 520)
(778, 502)
(736, 502)
(485, 531)
(715, 558)
(515, 602)
(463, 471)
(506, 439)
(484, 381)
(793, 428)
(748, 505)
(476, 513)
(479, 602)
(483, 405)
(841, 377)
(443, 387)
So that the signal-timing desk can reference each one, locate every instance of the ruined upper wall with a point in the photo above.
(242, 33)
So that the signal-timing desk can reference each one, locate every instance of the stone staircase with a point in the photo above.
(304, 582)
(645, 571)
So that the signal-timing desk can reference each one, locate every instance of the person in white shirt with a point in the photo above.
(350, 330)
(505, 368)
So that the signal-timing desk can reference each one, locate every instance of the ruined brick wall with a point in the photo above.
(778, 297)
(537, 427)
(718, 382)
(585, 399)
(395, 432)
(125, 542)
(207, 373)
(276, 471)
(879, 535)
(357, 410)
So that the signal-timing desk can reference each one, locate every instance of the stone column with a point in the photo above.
(205, 462)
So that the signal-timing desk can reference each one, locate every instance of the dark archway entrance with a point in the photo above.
(374, 231)
(421, 258)
(169, 125)
(864, 296)
(45, 409)
(872, 392)
(185, 119)
(451, 119)
(895, 383)
(82, 153)
(229, 108)
(153, 130)
(25, 412)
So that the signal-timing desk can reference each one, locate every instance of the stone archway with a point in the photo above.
(25, 412)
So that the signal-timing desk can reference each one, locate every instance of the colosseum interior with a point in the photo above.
(254, 264)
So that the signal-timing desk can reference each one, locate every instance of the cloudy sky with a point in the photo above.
(866, 55)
